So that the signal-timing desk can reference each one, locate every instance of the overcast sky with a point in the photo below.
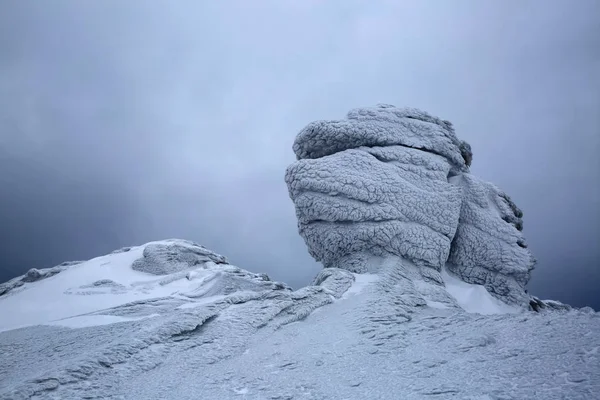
(123, 122)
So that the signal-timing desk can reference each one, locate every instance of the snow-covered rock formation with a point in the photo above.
(390, 181)
(422, 296)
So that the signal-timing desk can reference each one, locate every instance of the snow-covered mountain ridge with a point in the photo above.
(423, 295)
(112, 328)
(88, 293)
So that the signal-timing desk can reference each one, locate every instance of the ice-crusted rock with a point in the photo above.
(552, 305)
(384, 125)
(489, 248)
(336, 281)
(34, 275)
(174, 256)
(395, 181)
(380, 200)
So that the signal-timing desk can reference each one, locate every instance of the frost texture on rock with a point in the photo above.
(173, 256)
(336, 281)
(381, 126)
(489, 248)
(395, 181)
(381, 200)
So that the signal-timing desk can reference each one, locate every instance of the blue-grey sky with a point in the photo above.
(123, 122)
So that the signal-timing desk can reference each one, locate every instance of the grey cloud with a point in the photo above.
(146, 121)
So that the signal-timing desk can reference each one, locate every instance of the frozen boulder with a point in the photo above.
(379, 200)
(376, 184)
(390, 181)
(164, 258)
(538, 305)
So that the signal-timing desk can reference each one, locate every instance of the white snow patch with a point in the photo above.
(436, 304)
(196, 274)
(474, 298)
(54, 299)
(95, 320)
(360, 282)
(456, 179)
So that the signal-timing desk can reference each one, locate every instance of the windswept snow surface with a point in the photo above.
(82, 294)
(474, 298)
(72, 297)
(80, 290)
(361, 281)
(215, 331)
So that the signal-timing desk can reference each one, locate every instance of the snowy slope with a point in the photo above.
(78, 294)
(86, 293)
(106, 329)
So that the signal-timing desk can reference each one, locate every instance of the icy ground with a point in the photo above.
(171, 320)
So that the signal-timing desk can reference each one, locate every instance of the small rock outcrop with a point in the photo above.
(175, 255)
(34, 275)
(395, 181)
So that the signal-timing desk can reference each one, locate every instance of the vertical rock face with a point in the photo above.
(488, 248)
(395, 181)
